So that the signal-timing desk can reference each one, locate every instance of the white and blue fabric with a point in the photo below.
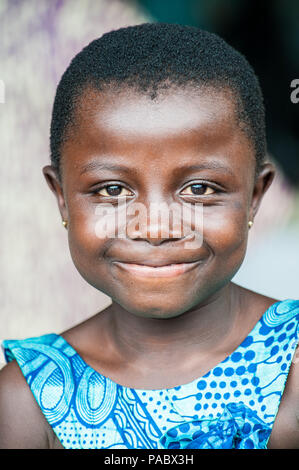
(234, 405)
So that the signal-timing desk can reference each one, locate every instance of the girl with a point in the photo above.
(146, 117)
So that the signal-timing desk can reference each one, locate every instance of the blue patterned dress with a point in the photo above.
(234, 405)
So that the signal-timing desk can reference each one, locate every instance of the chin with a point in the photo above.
(162, 310)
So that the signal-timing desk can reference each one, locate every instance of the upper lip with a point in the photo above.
(155, 263)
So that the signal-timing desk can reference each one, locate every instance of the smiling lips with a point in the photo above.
(167, 270)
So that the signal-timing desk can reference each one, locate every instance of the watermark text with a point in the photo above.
(295, 93)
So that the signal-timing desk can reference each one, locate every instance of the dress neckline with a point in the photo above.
(179, 386)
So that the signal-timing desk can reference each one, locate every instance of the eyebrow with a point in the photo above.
(97, 165)
(211, 165)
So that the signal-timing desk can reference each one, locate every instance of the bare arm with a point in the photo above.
(285, 433)
(22, 424)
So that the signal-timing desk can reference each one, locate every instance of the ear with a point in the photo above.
(262, 183)
(54, 183)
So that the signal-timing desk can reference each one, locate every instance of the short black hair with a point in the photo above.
(150, 56)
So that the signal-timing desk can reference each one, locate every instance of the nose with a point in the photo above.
(157, 240)
(157, 223)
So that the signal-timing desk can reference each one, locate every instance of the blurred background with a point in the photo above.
(41, 291)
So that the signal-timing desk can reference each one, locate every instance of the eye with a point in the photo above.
(198, 189)
(114, 190)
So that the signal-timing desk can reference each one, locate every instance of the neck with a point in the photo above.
(203, 329)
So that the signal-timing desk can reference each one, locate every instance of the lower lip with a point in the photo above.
(170, 270)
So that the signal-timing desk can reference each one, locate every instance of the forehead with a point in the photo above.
(127, 122)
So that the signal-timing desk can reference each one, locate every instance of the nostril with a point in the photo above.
(157, 240)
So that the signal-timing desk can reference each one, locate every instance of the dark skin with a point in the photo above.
(165, 331)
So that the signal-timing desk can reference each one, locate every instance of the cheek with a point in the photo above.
(87, 243)
(225, 231)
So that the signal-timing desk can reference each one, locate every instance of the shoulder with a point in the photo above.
(19, 412)
(84, 337)
(285, 432)
(252, 301)
(253, 296)
(253, 304)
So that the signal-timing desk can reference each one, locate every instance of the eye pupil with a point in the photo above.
(198, 188)
(114, 189)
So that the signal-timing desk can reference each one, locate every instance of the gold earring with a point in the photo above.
(250, 223)
(64, 223)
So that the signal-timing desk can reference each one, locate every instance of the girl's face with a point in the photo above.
(186, 147)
